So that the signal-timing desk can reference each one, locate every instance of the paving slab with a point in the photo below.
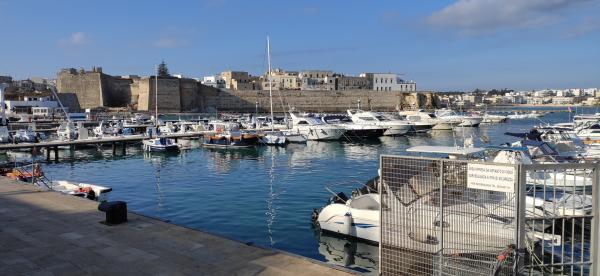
(48, 233)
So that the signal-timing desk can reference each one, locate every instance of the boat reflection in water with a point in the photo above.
(226, 159)
(349, 253)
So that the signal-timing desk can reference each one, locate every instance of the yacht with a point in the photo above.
(354, 130)
(424, 121)
(452, 117)
(392, 127)
(315, 129)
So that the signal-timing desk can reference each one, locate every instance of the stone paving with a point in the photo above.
(47, 233)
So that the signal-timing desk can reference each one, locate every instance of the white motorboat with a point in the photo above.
(160, 145)
(315, 129)
(393, 127)
(25, 136)
(450, 116)
(274, 138)
(520, 116)
(591, 132)
(357, 217)
(292, 136)
(67, 131)
(354, 130)
(494, 118)
(89, 191)
(424, 121)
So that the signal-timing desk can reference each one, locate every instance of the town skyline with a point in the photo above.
(443, 46)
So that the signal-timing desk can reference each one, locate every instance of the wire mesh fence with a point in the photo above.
(561, 201)
(434, 221)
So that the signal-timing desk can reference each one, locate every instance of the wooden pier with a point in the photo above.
(114, 142)
(48, 233)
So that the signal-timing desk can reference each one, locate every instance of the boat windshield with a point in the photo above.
(381, 118)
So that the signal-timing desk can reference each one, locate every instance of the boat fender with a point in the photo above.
(347, 229)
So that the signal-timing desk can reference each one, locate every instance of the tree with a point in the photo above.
(163, 70)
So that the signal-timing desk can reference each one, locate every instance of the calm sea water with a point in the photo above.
(263, 196)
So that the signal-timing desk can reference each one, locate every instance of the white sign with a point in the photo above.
(491, 177)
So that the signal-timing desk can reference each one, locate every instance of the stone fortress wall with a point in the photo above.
(95, 89)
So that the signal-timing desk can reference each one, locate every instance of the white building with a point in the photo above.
(213, 81)
(27, 105)
(389, 82)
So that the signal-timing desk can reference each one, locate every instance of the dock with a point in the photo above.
(115, 142)
(48, 233)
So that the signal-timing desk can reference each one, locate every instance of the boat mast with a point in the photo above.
(270, 81)
(156, 99)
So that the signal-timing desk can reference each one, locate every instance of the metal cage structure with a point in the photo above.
(460, 217)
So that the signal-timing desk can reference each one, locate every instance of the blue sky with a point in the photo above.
(442, 45)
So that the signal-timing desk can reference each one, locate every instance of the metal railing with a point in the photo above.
(457, 217)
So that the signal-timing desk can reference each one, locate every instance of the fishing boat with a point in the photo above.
(160, 145)
(369, 118)
(229, 135)
(89, 191)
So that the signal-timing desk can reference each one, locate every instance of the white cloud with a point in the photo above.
(75, 39)
(473, 17)
(168, 42)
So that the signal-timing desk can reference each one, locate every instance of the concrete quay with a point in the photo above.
(48, 233)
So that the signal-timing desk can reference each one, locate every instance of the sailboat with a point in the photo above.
(272, 138)
(158, 144)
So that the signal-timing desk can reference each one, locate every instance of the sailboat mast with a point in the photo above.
(270, 81)
(156, 99)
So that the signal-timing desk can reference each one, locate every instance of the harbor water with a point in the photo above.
(262, 196)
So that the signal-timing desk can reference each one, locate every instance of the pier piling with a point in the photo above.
(56, 153)
(114, 148)
(124, 150)
(48, 149)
